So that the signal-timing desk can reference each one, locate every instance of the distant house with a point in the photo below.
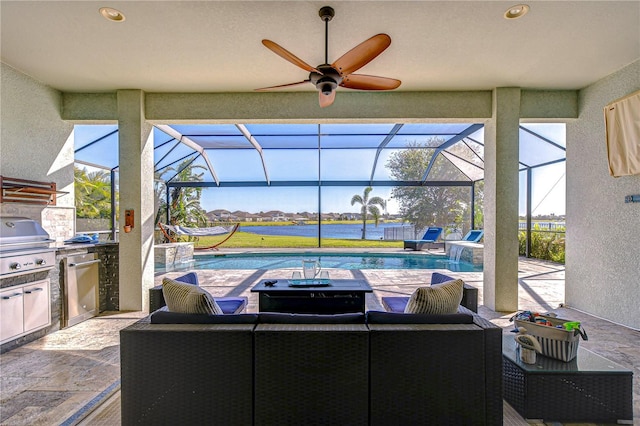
(219, 215)
(274, 216)
(247, 217)
(250, 217)
(350, 216)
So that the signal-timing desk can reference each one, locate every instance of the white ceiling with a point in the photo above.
(214, 46)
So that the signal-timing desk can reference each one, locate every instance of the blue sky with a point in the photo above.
(238, 163)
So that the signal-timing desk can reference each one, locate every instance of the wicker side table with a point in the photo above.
(588, 389)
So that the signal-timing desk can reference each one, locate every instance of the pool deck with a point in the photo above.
(535, 294)
(51, 380)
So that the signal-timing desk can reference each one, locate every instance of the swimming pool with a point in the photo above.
(333, 260)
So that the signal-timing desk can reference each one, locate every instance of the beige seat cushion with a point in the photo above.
(436, 299)
(188, 298)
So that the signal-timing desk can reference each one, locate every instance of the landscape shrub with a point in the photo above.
(545, 245)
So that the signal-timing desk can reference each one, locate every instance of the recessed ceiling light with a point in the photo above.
(112, 14)
(516, 11)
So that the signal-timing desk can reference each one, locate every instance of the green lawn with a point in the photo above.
(245, 239)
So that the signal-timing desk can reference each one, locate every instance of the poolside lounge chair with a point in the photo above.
(472, 236)
(428, 240)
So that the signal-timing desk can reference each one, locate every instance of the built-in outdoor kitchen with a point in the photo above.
(48, 282)
(45, 286)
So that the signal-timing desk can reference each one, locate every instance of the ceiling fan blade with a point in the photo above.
(282, 85)
(326, 100)
(362, 54)
(369, 82)
(284, 53)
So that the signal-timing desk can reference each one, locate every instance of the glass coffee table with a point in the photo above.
(334, 296)
(590, 388)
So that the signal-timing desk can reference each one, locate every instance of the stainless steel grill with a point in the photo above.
(25, 247)
(25, 304)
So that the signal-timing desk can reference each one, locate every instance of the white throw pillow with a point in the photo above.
(188, 298)
(437, 299)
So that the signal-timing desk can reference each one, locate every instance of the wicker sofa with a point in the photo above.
(263, 369)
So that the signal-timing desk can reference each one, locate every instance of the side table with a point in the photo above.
(589, 389)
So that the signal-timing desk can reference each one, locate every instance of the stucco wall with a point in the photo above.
(35, 143)
(603, 232)
(603, 258)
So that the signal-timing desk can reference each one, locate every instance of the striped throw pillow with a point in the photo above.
(188, 298)
(437, 299)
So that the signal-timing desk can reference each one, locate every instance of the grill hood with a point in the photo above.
(21, 232)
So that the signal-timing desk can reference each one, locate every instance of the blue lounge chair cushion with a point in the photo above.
(231, 305)
(430, 236)
(190, 278)
(474, 235)
(438, 278)
(395, 303)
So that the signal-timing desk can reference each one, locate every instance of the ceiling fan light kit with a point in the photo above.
(328, 77)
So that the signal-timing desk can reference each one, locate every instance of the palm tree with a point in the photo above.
(185, 205)
(369, 206)
(93, 193)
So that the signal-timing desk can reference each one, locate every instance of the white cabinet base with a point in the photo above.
(24, 309)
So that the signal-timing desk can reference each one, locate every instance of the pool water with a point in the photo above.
(339, 261)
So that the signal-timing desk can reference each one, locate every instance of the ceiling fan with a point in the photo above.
(327, 77)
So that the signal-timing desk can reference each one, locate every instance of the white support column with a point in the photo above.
(136, 193)
(500, 291)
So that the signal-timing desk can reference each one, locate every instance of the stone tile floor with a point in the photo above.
(47, 381)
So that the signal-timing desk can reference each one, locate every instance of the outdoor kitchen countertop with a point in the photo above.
(60, 246)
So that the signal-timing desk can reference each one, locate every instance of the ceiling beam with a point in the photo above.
(466, 132)
(191, 144)
(287, 107)
(315, 183)
(396, 128)
(247, 134)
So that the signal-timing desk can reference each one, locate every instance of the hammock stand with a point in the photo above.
(198, 232)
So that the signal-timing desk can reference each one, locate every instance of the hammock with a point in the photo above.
(198, 232)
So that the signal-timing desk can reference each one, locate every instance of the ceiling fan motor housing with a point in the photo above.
(326, 13)
(328, 81)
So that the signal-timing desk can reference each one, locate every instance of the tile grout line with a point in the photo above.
(84, 411)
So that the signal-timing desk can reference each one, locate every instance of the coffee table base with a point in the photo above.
(583, 397)
(339, 296)
(312, 302)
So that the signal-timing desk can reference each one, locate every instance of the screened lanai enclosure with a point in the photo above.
(319, 181)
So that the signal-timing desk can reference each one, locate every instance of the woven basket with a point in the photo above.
(556, 343)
